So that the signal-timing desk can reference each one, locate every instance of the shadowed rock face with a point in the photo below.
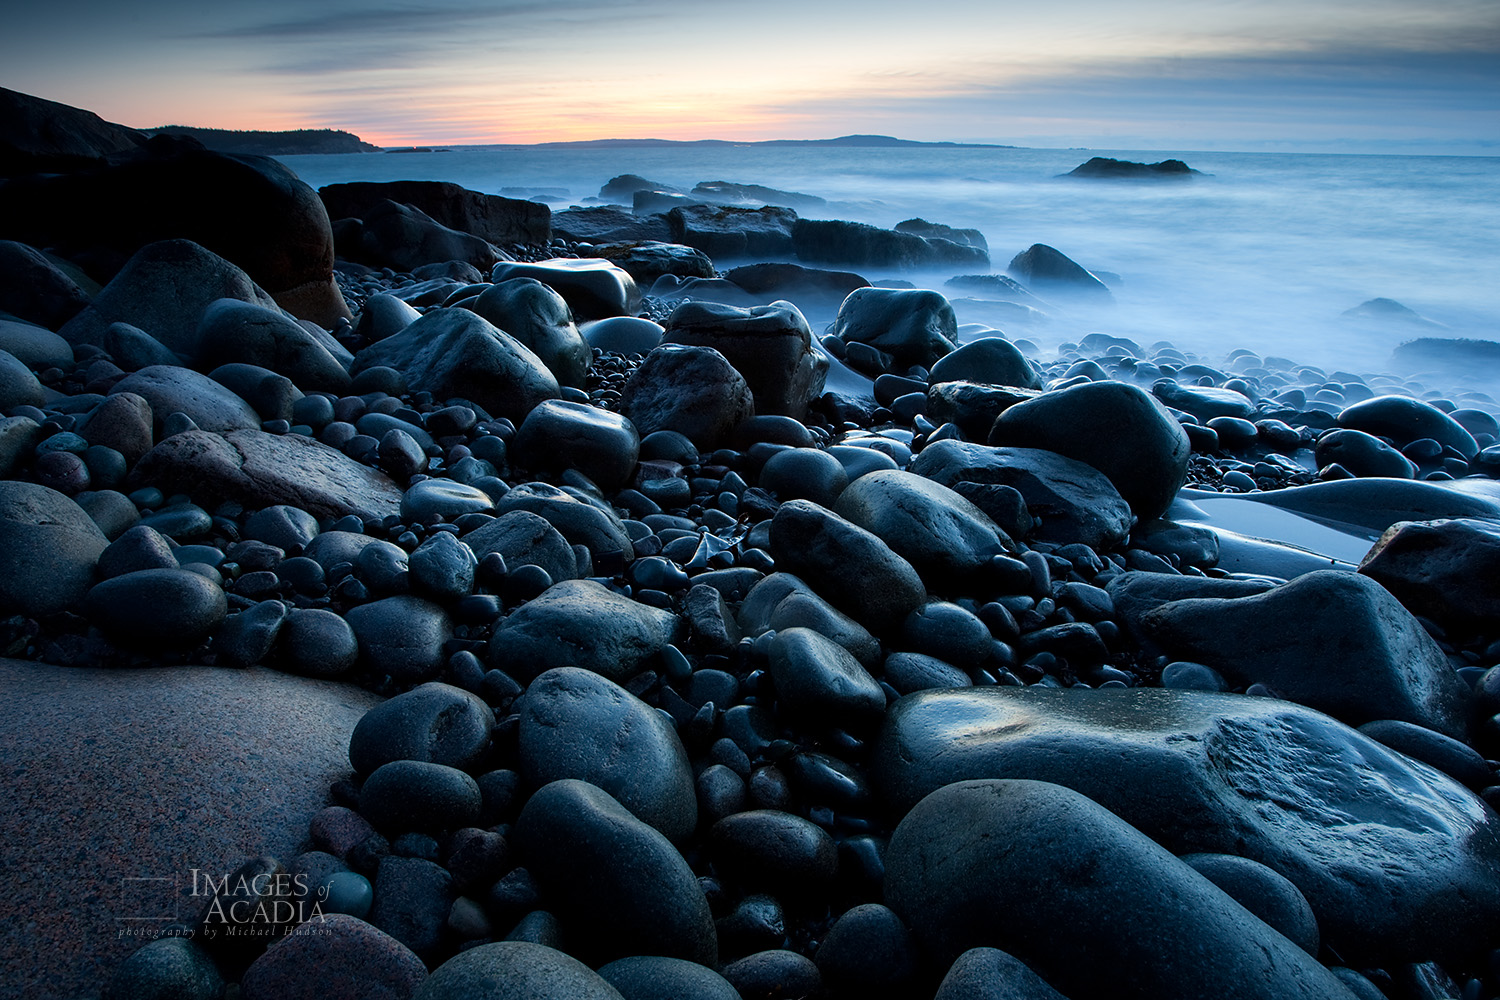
(1107, 168)
(41, 135)
(1399, 862)
(252, 755)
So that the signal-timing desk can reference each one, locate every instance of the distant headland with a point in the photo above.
(289, 143)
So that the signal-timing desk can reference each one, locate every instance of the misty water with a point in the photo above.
(1266, 253)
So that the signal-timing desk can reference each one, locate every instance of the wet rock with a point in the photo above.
(412, 897)
(443, 568)
(1072, 502)
(991, 863)
(261, 470)
(618, 885)
(407, 795)
(592, 525)
(770, 346)
(1331, 640)
(577, 724)
(489, 216)
(820, 682)
(936, 230)
(559, 434)
(988, 361)
(781, 601)
(1404, 420)
(538, 317)
(647, 260)
(947, 539)
(403, 237)
(1203, 401)
(525, 539)
(1448, 570)
(1044, 268)
(1118, 429)
(724, 232)
(775, 852)
(622, 334)
(692, 390)
(860, 245)
(767, 975)
(457, 353)
(593, 287)
(609, 225)
(868, 952)
(48, 549)
(514, 970)
(854, 569)
(1399, 862)
(167, 967)
(580, 623)
(272, 396)
(804, 474)
(1362, 454)
(795, 282)
(233, 331)
(436, 723)
(1263, 892)
(911, 326)
(1376, 504)
(1457, 760)
(384, 316)
(171, 390)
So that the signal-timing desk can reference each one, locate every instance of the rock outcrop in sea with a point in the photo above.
(557, 620)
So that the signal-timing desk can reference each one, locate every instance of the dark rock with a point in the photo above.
(248, 209)
(1117, 428)
(18, 440)
(315, 642)
(538, 317)
(384, 316)
(210, 405)
(443, 568)
(723, 232)
(653, 977)
(770, 975)
(157, 608)
(435, 723)
(173, 967)
(1043, 267)
(139, 548)
(1330, 640)
(579, 623)
(774, 851)
(971, 406)
(648, 260)
(593, 287)
(48, 549)
(525, 539)
(1074, 502)
(488, 216)
(234, 331)
(618, 885)
(821, 683)
(35, 347)
(1404, 420)
(795, 282)
(45, 136)
(1362, 454)
(989, 361)
(936, 230)
(1107, 168)
(445, 499)
(869, 953)
(514, 970)
(947, 539)
(853, 568)
(861, 245)
(692, 390)
(270, 395)
(911, 672)
(455, 352)
(994, 863)
(1448, 571)
(134, 348)
(609, 225)
(991, 974)
(558, 434)
(804, 474)
(1412, 878)
(770, 346)
(1203, 401)
(912, 326)
(412, 897)
(1457, 760)
(1453, 356)
(1264, 892)
(407, 795)
(260, 470)
(781, 601)
(577, 724)
(622, 334)
(352, 960)
(592, 525)
(401, 636)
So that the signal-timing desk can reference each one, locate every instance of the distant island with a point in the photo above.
(291, 143)
(853, 141)
(1107, 168)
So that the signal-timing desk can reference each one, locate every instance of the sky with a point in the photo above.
(1351, 75)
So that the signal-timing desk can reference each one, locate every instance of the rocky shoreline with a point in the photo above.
(681, 649)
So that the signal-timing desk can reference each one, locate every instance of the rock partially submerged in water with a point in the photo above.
(1109, 168)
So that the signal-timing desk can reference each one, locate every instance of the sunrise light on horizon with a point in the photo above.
(1168, 73)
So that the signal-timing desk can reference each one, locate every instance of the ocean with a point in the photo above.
(1264, 253)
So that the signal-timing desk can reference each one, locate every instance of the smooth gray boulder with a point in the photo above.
(1399, 862)
(538, 317)
(577, 724)
(988, 361)
(580, 623)
(457, 353)
(770, 345)
(692, 390)
(514, 970)
(910, 326)
(48, 549)
(1448, 571)
(180, 390)
(593, 287)
(1090, 903)
(234, 331)
(1331, 640)
(525, 539)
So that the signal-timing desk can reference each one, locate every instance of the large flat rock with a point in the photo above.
(1399, 862)
(112, 778)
